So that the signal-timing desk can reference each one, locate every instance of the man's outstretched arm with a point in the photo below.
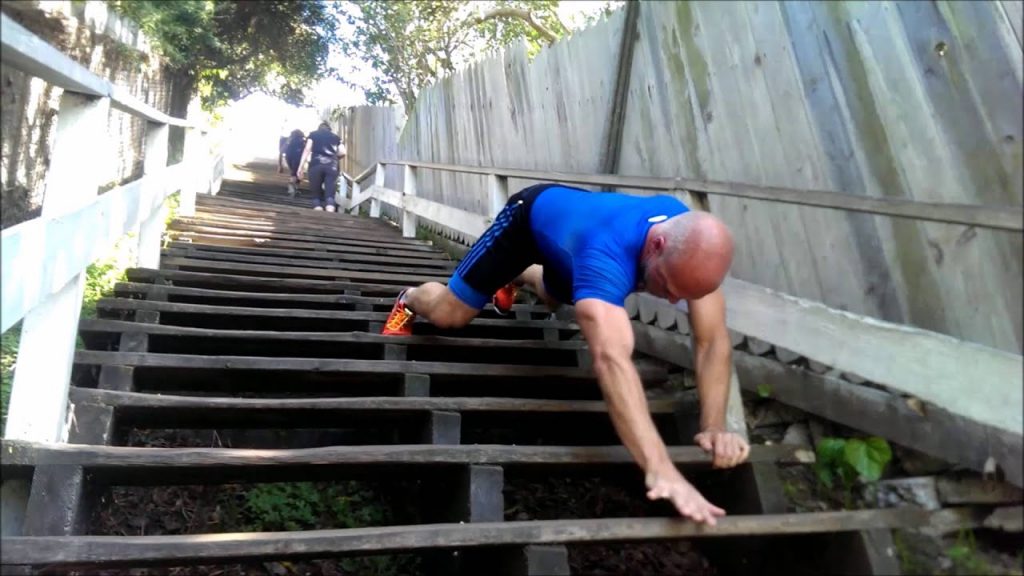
(712, 357)
(610, 338)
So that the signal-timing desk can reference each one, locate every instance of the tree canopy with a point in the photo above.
(228, 49)
(411, 43)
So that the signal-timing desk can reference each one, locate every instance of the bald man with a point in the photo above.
(592, 250)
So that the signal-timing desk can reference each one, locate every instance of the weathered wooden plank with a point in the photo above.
(136, 400)
(925, 364)
(91, 550)
(150, 360)
(937, 432)
(411, 278)
(20, 453)
(180, 228)
(1001, 218)
(185, 278)
(119, 326)
(290, 262)
(183, 308)
(243, 241)
(210, 296)
(368, 256)
(313, 231)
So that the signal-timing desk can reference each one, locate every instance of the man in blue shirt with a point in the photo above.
(592, 250)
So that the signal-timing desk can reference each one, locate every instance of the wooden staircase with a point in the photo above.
(265, 315)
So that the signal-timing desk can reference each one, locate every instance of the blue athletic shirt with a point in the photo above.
(592, 240)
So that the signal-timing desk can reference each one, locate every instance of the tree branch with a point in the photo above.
(520, 14)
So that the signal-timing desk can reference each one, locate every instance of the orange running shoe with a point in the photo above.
(399, 321)
(504, 298)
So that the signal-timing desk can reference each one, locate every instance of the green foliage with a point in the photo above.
(103, 274)
(8, 356)
(851, 459)
(229, 49)
(411, 43)
(309, 506)
(964, 554)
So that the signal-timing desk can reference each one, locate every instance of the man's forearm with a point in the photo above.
(713, 364)
(627, 407)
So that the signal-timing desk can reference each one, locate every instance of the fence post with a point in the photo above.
(39, 396)
(38, 409)
(193, 173)
(378, 180)
(408, 189)
(154, 165)
(498, 188)
(356, 191)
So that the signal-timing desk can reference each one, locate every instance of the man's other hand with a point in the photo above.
(669, 484)
(728, 449)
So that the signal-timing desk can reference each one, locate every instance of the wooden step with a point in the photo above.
(364, 255)
(242, 241)
(648, 372)
(142, 402)
(209, 548)
(349, 264)
(115, 327)
(412, 278)
(19, 453)
(255, 283)
(297, 300)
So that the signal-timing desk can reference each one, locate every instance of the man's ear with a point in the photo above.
(658, 243)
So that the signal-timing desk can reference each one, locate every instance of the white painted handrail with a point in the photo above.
(33, 55)
(44, 259)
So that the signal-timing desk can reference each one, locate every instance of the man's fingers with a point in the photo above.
(704, 441)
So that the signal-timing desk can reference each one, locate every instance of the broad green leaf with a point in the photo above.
(830, 450)
(860, 457)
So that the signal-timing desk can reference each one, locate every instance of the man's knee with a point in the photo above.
(453, 313)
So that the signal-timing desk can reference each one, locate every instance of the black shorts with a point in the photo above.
(505, 250)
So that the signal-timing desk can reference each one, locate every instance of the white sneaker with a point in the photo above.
(291, 190)
(318, 208)
(331, 208)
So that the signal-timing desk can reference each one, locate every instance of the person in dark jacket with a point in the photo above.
(322, 154)
(293, 148)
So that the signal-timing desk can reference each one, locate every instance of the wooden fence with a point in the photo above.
(879, 100)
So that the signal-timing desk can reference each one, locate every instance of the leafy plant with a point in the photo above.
(9, 346)
(848, 460)
(228, 49)
(964, 555)
(412, 43)
(308, 505)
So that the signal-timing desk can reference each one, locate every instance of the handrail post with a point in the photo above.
(154, 166)
(193, 175)
(498, 191)
(408, 189)
(378, 181)
(356, 191)
(39, 396)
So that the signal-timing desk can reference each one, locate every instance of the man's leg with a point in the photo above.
(498, 257)
(534, 278)
(436, 303)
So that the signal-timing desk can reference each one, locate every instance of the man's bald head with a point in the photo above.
(687, 257)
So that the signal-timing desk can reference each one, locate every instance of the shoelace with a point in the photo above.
(399, 319)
